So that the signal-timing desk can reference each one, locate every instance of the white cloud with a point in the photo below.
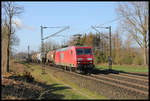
(19, 24)
(30, 27)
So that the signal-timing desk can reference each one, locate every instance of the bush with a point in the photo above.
(99, 57)
(138, 60)
(28, 77)
(126, 59)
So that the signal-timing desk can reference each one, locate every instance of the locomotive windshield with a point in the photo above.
(82, 51)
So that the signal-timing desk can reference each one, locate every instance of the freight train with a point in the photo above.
(73, 58)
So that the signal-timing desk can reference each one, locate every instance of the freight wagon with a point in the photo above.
(36, 58)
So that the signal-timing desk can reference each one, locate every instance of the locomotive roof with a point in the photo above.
(63, 49)
(66, 48)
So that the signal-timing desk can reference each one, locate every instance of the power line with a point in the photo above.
(56, 33)
(109, 21)
(83, 30)
(102, 24)
(118, 18)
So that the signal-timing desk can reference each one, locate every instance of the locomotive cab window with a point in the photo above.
(82, 51)
(79, 51)
(88, 51)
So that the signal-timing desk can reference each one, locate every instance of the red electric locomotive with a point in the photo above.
(76, 58)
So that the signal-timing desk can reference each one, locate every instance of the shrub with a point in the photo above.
(138, 60)
(28, 77)
(125, 59)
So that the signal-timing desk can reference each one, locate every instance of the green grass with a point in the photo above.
(74, 93)
(93, 95)
(125, 68)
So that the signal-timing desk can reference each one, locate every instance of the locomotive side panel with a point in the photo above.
(57, 58)
(64, 57)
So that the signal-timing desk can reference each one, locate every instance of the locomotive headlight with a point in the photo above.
(89, 58)
(79, 59)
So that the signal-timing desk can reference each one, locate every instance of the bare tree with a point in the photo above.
(48, 46)
(135, 19)
(118, 43)
(11, 10)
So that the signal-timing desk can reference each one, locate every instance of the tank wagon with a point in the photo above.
(50, 57)
(33, 58)
(36, 58)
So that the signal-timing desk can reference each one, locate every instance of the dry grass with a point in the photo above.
(20, 85)
(17, 87)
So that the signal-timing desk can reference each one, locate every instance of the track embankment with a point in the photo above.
(109, 87)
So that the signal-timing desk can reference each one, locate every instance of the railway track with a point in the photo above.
(126, 85)
(144, 78)
(132, 77)
(127, 78)
(140, 89)
(138, 74)
(123, 76)
(118, 81)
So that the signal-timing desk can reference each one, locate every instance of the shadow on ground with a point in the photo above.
(112, 71)
(105, 71)
(32, 90)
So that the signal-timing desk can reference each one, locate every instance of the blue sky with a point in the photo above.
(79, 16)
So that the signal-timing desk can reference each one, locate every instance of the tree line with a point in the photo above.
(9, 38)
(122, 53)
(134, 23)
